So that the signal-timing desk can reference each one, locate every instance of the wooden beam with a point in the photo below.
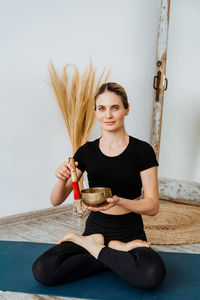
(159, 80)
(175, 190)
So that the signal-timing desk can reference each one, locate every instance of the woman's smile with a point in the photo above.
(109, 123)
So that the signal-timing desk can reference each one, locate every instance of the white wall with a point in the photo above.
(34, 139)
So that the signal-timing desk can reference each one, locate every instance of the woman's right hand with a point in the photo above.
(63, 172)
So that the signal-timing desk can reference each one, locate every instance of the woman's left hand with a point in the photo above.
(110, 203)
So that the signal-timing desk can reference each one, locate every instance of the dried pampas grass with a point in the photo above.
(77, 106)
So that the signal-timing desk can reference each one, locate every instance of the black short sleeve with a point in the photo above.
(147, 157)
(80, 158)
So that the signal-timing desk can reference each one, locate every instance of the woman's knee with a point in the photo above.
(42, 273)
(155, 273)
(151, 268)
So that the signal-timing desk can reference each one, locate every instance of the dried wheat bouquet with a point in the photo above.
(76, 102)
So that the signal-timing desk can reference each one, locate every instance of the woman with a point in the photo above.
(114, 236)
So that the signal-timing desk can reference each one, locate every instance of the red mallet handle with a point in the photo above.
(75, 185)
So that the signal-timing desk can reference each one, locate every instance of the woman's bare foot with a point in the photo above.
(67, 237)
(92, 243)
(118, 245)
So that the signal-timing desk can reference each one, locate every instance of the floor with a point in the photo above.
(48, 228)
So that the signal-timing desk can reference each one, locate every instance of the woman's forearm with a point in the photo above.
(58, 193)
(144, 206)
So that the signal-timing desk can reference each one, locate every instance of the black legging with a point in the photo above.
(143, 267)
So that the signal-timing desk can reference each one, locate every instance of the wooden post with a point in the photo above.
(175, 190)
(160, 81)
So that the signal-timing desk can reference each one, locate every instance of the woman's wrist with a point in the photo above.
(126, 203)
(62, 182)
(121, 201)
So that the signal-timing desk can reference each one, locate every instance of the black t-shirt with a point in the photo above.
(122, 172)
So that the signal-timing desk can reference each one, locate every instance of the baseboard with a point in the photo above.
(37, 213)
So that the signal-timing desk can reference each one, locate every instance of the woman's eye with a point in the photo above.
(115, 107)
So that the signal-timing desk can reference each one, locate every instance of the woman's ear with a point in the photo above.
(127, 110)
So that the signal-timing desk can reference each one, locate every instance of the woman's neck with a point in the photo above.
(111, 139)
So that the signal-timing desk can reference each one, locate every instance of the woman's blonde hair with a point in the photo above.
(114, 88)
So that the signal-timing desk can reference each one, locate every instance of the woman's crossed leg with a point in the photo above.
(65, 263)
(141, 266)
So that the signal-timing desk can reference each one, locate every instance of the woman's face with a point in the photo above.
(110, 111)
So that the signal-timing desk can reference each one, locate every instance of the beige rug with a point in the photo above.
(175, 224)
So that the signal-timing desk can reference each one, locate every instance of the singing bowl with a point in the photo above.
(96, 196)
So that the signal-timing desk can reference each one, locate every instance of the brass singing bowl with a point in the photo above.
(96, 196)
